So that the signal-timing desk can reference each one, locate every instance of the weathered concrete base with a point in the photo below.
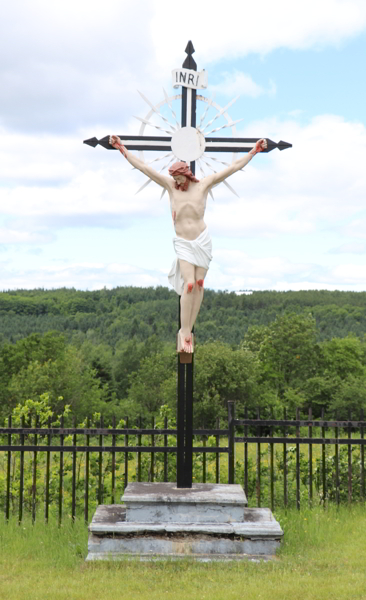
(111, 537)
(165, 503)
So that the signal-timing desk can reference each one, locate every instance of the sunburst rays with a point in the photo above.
(203, 125)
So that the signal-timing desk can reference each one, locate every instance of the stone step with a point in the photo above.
(203, 503)
(112, 537)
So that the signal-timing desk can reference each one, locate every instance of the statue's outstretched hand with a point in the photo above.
(115, 141)
(259, 146)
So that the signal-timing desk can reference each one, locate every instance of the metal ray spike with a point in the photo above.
(203, 116)
(159, 158)
(152, 125)
(226, 164)
(156, 110)
(231, 124)
(221, 112)
(225, 182)
(143, 186)
(171, 108)
(230, 188)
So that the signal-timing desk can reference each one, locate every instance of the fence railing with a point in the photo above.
(72, 469)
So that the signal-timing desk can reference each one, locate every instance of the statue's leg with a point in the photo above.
(186, 304)
(200, 274)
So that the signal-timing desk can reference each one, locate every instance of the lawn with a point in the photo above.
(323, 557)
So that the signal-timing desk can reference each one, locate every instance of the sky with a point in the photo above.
(69, 71)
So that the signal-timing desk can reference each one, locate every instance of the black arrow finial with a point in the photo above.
(91, 142)
(189, 62)
(190, 49)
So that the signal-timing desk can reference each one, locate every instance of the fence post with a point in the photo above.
(8, 476)
(231, 443)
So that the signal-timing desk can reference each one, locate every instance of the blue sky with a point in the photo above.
(69, 215)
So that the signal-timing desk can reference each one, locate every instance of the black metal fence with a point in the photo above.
(69, 470)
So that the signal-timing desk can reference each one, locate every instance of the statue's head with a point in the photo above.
(182, 175)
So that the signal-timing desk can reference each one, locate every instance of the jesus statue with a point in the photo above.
(192, 243)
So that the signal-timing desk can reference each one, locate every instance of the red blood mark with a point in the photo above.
(189, 288)
(174, 215)
(200, 283)
(122, 150)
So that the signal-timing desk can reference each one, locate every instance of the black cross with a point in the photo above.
(213, 144)
(163, 143)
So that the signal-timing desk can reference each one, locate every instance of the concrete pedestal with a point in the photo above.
(206, 522)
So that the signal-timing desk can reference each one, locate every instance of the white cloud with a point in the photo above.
(242, 84)
(92, 276)
(236, 270)
(235, 30)
(12, 236)
(356, 228)
(69, 64)
(350, 248)
(57, 182)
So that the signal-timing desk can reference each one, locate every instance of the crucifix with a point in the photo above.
(188, 143)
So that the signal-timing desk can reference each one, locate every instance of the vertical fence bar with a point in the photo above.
(100, 466)
(34, 474)
(152, 455)
(231, 443)
(8, 478)
(86, 478)
(323, 462)
(61, 477)
(204, 438)
(48, 468)
(310, 459)
(349, 459)
(21, 474)
(285, 494)
(113, 490)
(246, 456)
(271, 464)
(297, 462)
(362, 461)
(165, 453)
(73, 489)
(139, 438)
(336, 460)
(126, 457)
(218, 453)
(258, 471)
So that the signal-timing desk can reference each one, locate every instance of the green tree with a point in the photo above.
(68, 380)
(146, 392)
(289, 352)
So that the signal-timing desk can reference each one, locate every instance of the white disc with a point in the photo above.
(188, 144)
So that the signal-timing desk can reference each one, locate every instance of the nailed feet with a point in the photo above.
(185, 342)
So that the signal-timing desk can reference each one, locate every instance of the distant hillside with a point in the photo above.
(108, 316)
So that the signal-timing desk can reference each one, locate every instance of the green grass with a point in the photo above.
(323, 557)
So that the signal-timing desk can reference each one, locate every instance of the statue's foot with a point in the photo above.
(185, 342)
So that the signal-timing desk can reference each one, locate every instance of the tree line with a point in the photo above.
(113, 351)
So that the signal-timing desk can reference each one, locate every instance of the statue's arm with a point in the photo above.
(219, 177)
(162, 180)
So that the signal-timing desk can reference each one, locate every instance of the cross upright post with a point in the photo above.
(185, 370)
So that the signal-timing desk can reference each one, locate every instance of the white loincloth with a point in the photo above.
(198, 252)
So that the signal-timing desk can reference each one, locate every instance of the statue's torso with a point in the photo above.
(188, 210)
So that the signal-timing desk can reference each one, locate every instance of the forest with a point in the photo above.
(113, 351)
